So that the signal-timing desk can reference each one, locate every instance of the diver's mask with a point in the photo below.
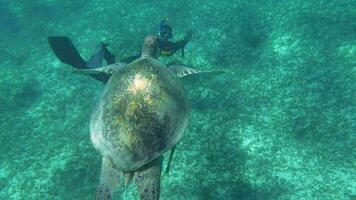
(165, 31)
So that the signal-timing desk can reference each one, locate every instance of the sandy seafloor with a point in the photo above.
(279, 125)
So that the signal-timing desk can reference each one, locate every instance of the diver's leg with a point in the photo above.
(148, 180)
(96, 61)
(131, 58)
(108, 56)
(101, 53)
(109, 180)
(182, 43)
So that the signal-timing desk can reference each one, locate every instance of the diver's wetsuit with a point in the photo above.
(167, 48)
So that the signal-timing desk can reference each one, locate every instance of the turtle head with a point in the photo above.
(150, 47)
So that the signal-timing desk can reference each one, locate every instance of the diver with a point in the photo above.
(166, 46)
(67, 53)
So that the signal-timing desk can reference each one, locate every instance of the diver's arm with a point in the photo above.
(182, 43)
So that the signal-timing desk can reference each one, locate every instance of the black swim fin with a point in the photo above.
(66, 51)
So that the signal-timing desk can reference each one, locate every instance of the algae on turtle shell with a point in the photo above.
(142, 114)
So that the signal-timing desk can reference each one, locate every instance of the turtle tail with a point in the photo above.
(148, 180)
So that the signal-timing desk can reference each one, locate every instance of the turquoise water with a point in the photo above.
(280, 124)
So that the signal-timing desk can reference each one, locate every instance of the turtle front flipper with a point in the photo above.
(109, 180)
(148, 180)
(106, 70)
(182, 71)
(102, 74)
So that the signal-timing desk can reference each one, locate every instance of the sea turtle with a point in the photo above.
(142, 114)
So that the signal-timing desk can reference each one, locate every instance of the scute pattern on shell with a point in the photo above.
(142, 114)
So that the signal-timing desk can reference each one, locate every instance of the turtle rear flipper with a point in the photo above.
(148, 180)
(109, 180)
